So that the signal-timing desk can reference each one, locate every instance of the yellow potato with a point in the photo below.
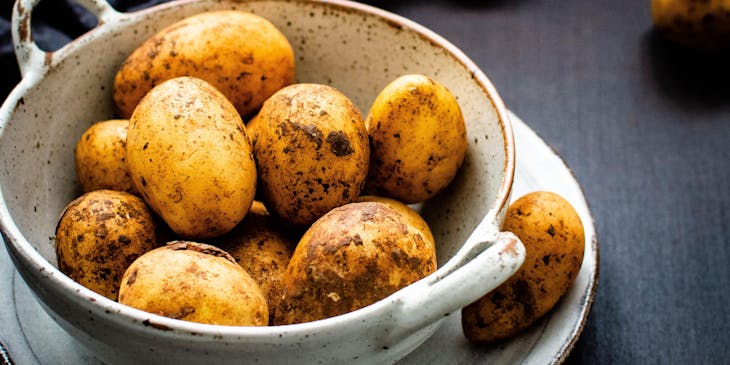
(242, 54)
(699, 24)
(411, 216)
(101, 157)
(417, 139)
(311, 151)
(263, 248)
(190, 158)
(352, 257)
(552, 233)
(99, 235)
(194, 282)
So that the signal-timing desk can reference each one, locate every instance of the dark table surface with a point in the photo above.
(644, 125)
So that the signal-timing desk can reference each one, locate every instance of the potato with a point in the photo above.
(242, 54)
(698, 24)
(263, 248)
(190, 158)
(411, 216)
(352, 257)
(311, 151)
(552, 233)
(99, 235)
(100, 157)
(417, 139)
(194, 282)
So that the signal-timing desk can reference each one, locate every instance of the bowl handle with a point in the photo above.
(30, 57)
(461, 281)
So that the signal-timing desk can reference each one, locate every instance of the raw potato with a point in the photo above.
(194, 282)
(352, 257)
(698, 24)
(311, 151)
(417, 139)
(262, 248)
(99, 235)
(100, 157)
(552, 233)
(412, 217)
(190, 158)
(242, 54)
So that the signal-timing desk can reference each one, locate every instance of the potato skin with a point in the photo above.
(553, 235)
(241, 54)
(190, 158)
(263, 248)
(353, 256)
(417, 139)
(695, 24)
(194, 282)
(412, 217)
(99, 235)
(311, 150)
(100, 157)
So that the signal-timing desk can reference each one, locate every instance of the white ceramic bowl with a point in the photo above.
(354, 47)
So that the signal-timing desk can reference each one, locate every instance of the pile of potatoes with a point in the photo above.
(231, 195)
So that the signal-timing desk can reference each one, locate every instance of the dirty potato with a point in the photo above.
(241, 54)
(311, 151)
(100, 157)
(552, 233)
(263, 248)
(417, 139)
(190, 158)
(411, 216)
(352, 257)
(698, 24)
(194, 282)
(99, 235)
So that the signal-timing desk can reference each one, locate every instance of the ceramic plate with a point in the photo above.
(30, 336)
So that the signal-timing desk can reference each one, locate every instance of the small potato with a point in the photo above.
(352, 257)
(417, 139)
(100, 157)
(699, 24)
(241, 54)
(263, 248)
(190, 158)
(311, 151)
(552, 233)
(194, 282)
(411, 216)
(99, 235)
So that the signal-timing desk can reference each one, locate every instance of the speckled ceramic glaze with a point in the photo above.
(353, 47)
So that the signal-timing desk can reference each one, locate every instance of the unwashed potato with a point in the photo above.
(417, 139)
(352, 257)
(100, 157)
(311, 151)
(190, 158)
(99, 235)
(263, 248)
(242, 54)
(699, 24)
(411, 216)
(552, 233)
(194, 282)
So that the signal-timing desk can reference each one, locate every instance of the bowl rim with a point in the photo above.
(19, 246)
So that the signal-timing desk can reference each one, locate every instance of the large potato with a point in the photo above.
(242, 54)
(417, 139)
(552, 233)
(99, 235)
(311, 151)
(263, 248)
(194, 282)
(190, 158)
(100, 157)
(700, 24)
(352, 257)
